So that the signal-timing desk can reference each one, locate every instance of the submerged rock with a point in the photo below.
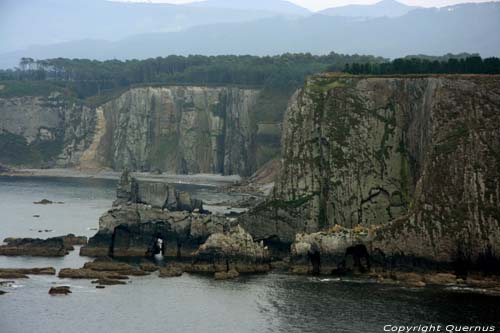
(62, 290)
(108, 282)
(43, 202)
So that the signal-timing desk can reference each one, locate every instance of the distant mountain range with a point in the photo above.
(469, 28)
(25, 23)
(389, 8)
(282, 7)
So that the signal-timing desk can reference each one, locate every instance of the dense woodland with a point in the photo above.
(96, 81)
(91, 77)
(428, 65)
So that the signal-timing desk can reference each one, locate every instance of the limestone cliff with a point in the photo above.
(44, 131)
(173, 129)
(414, 160)
(180, 130)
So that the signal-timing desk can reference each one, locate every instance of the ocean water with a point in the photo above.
(196, 303)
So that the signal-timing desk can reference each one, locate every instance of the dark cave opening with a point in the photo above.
(357, 258)
(315, 259)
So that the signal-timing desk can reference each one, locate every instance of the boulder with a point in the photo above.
(171, 271)
(62, 290)
(148, 267)
(230, 274)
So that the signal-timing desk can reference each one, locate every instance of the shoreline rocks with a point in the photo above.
(172, 270)
(81, 273)
(230, 274)
(50, 247)
(22, 273)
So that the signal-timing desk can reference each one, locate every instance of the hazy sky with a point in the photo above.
(322, 4)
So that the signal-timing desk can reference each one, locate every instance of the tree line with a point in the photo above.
(425, 65)
(90, 77)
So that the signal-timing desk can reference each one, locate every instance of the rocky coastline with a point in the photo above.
(393, 180)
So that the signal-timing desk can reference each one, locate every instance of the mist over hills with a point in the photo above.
(389, 8)
(469, 28)
(282, 7)
(29, 22)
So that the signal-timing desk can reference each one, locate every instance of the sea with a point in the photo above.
(273, 302)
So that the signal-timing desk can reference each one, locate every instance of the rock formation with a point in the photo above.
(414, 160)
(51, 247)
(153, 218)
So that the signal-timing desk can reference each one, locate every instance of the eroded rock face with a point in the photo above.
(414, 158)
(138, 230)
(236, 243)
(155, 194)
(148, 218)
(179, 130)
(172, 129)
(44, 131)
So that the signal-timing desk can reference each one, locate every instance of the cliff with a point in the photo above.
(44, 131)
(172, 129)
(413, 162)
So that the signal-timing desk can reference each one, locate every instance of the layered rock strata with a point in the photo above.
(414, 160)
(173, 129)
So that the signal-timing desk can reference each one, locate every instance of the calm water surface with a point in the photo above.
(262, 303)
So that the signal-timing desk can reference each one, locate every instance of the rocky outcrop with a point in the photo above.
(338, 250)
(414, 159)
(234, 250)
(51, 247)
(17, 273)
(158, 220)
(150, 218)
(155, 194)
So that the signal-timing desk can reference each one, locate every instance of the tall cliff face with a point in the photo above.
(173, 129)
(179, 130)
(44, 131)
(414, 160)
